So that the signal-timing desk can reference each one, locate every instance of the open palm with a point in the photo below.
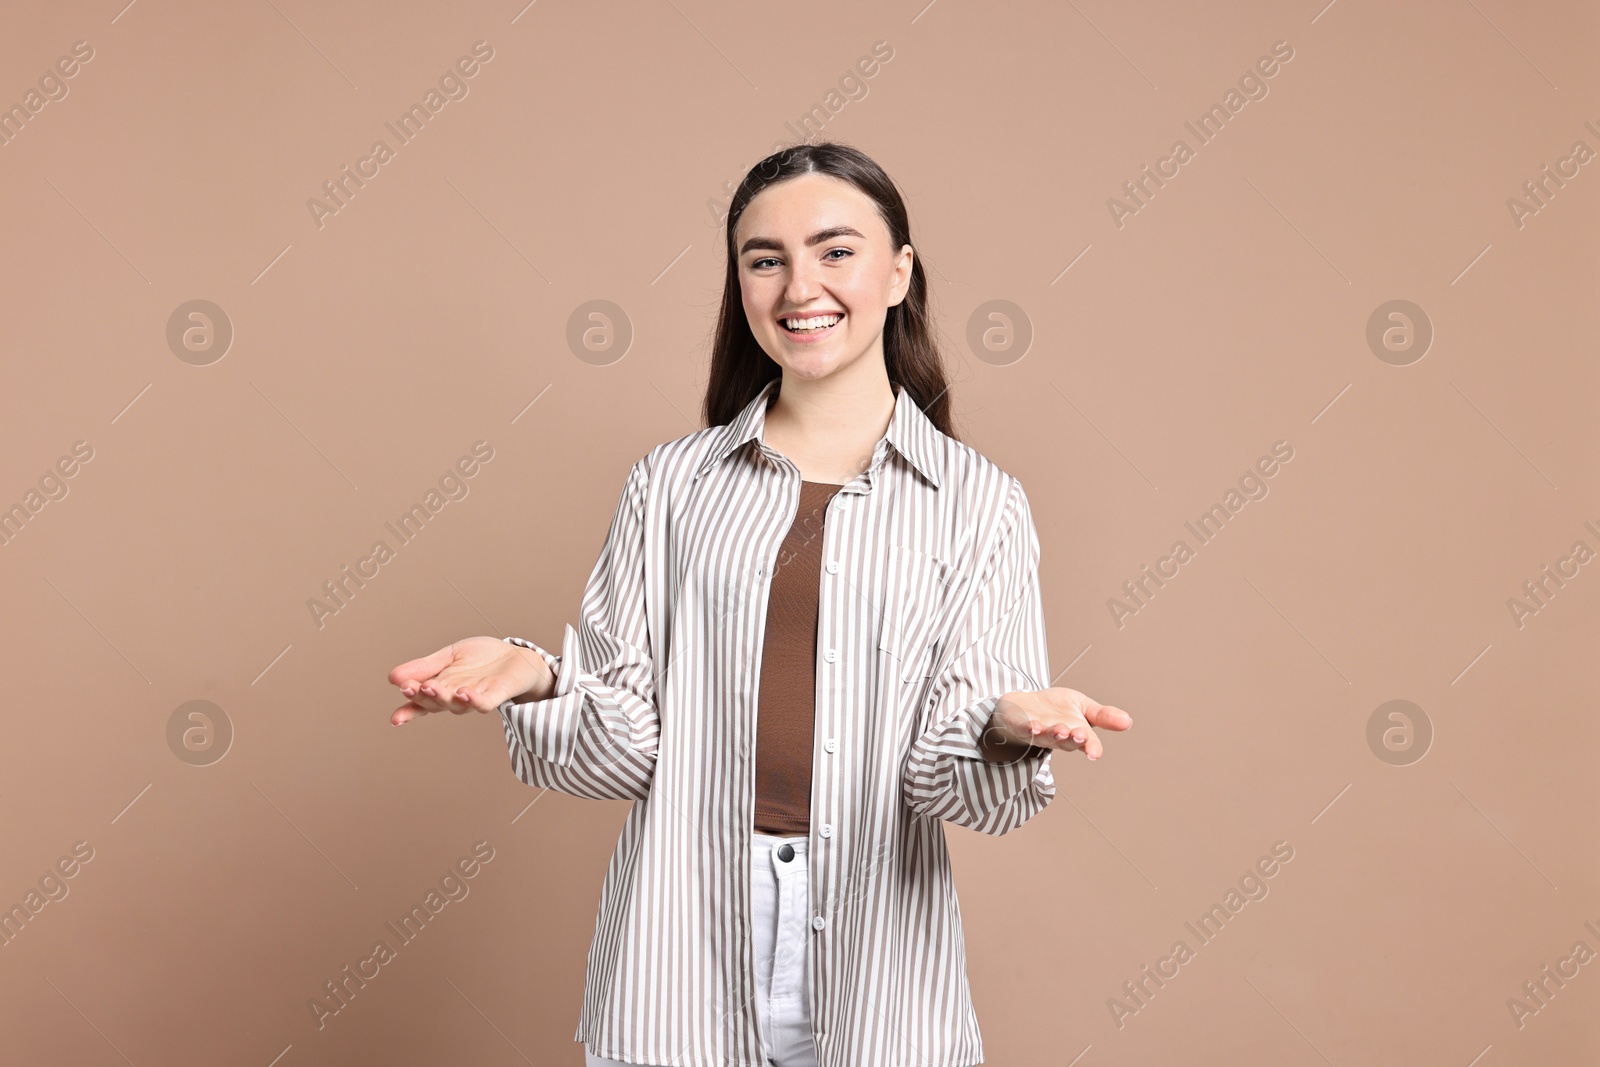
(1057, 717)
(473, 674)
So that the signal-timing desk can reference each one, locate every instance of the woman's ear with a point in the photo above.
(902, 275)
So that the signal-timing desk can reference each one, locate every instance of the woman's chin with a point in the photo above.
(810, 371)
(810, 366)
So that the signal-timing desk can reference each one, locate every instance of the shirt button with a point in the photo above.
(830, 744)
(818, 923)
(830, 655)
(833, 566)
(827, 830)
(843, 505)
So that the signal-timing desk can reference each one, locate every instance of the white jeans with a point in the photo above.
(781, 938)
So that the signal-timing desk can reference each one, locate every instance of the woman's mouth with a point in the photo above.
(811, 327)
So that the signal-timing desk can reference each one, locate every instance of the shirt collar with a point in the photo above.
(910, 432)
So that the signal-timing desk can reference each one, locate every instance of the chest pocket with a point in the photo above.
(920, 593)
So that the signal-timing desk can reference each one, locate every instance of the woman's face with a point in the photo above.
(814, 246)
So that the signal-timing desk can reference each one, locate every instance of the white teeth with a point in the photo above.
(813, 323)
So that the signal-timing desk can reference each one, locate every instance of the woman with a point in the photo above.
(825, 551)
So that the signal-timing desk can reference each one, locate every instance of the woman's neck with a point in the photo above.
(828, 433)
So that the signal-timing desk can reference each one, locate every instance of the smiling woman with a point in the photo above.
(848, 599)
(823, 285)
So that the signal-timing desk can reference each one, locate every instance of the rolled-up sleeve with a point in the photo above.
(1002, 649)
(596, 735)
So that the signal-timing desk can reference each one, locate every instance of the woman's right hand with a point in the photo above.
(475, 673)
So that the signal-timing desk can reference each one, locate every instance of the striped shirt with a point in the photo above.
(929, 610)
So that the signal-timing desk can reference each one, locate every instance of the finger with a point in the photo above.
(1053, 735)
(1092, 746)
(461, 692)
(405, 713)
(425, 695)
(483, 695)
(1088, 741)
(1075, 735)
(425, 692)
(1068, 733)
(441, 692)
(423, 668)
(1071, 735)
(1108, 717)
(464, 695)
(1038, 733)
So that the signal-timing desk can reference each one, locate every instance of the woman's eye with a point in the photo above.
(759, 264)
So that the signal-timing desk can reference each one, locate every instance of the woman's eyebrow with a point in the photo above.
(815, 239)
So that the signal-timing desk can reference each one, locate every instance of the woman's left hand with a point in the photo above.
(1055, 718)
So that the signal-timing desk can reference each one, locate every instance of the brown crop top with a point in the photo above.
(786, 701)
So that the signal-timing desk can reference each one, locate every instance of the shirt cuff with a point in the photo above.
(549, 728)
(994, 749)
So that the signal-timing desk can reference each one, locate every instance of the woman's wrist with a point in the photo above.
(997, 746)
(543, 684)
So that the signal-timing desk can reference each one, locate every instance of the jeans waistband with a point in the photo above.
(769, 841)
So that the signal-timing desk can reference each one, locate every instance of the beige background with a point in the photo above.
(586, 163)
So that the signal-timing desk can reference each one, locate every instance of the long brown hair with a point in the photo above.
(740, 369)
